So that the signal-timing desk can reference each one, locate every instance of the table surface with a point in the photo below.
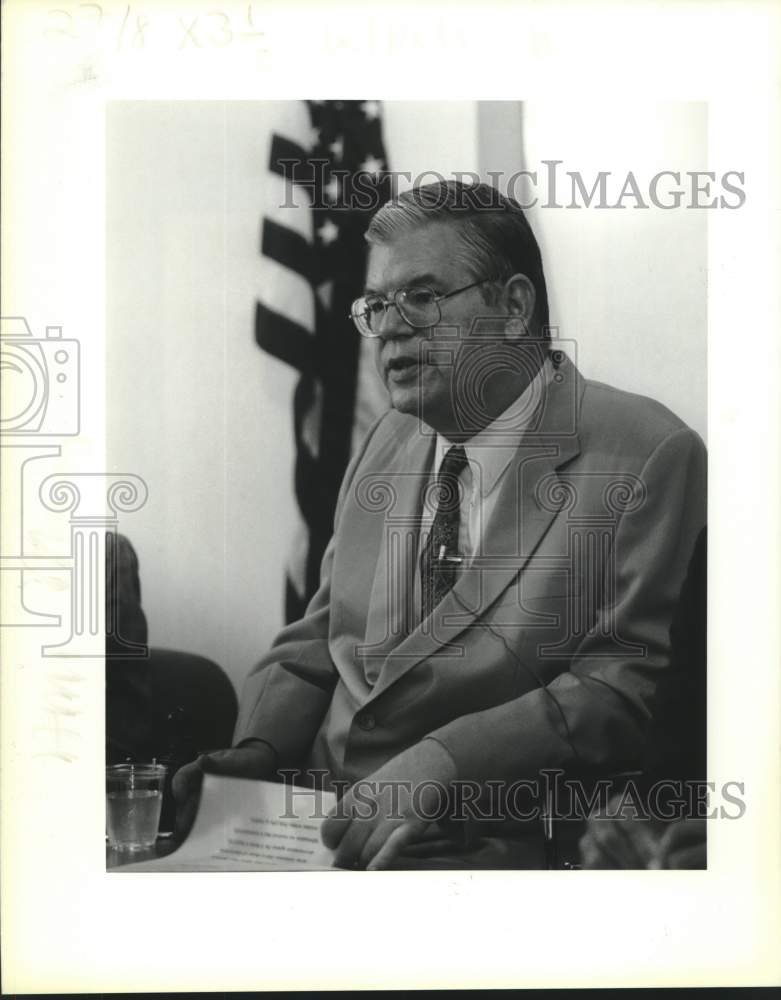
(164, 844)
(527, 853)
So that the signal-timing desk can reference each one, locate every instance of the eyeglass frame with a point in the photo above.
(387, 303)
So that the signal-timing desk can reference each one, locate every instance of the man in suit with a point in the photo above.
(509, 544)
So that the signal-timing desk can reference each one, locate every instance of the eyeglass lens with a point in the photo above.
(418, 307)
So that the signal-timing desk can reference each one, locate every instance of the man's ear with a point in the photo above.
(519, 296)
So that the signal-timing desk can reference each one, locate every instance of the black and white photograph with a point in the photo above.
(444, 557)
(389, 445)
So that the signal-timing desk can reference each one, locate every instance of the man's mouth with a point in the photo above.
(402, 369)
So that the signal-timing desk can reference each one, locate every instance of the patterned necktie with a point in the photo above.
(437, 574)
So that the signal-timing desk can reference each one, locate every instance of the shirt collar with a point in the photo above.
(489, 452)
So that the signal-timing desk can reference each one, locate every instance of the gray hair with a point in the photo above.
(496, 239)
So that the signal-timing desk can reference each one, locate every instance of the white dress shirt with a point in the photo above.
(488, 456)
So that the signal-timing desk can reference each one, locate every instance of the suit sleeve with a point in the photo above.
(596, 714)
(287, 693)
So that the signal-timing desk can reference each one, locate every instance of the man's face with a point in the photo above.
(419, 378)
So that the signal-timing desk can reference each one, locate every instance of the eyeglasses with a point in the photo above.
(418, 306)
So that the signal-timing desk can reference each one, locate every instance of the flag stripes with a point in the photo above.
(283, 338)
(312, 272)
(287, 247)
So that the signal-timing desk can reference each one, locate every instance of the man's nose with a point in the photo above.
(393, 324)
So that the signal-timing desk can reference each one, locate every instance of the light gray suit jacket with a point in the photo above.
(547, 651)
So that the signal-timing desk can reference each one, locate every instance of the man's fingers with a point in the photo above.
(639, 841)
(185, 817)
(187, 780)
(186, 788)
(374, 843)
(615, 849)
(348, 853)
(611, 843)
(334, 828)
(338, 820)
(597, 854)
(392, 847)
(590, 855)
(430, 848)
(683, 833)
(238, 762)
(693, 858)
(683, 845)
(227, 762)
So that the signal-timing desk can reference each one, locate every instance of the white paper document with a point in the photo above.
(247, 825)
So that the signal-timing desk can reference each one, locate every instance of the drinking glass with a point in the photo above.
(134, 796)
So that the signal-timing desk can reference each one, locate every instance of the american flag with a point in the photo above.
(330, 166)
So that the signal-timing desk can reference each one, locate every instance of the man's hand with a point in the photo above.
(256, 760)
(381, 814)
(630, 842)
(618, 841)
(684, 845)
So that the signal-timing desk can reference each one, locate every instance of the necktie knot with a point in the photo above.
(448, 489)
(454, 461)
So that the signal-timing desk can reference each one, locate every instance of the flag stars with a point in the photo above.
(328, 232)
(371, 109)
(371, 165)
(337, 147)
(331, 189)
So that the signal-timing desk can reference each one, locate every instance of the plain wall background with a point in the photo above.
(629, 285)
(205, 417)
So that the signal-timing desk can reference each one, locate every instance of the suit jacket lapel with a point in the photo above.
(525, 509)
(390, 611)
